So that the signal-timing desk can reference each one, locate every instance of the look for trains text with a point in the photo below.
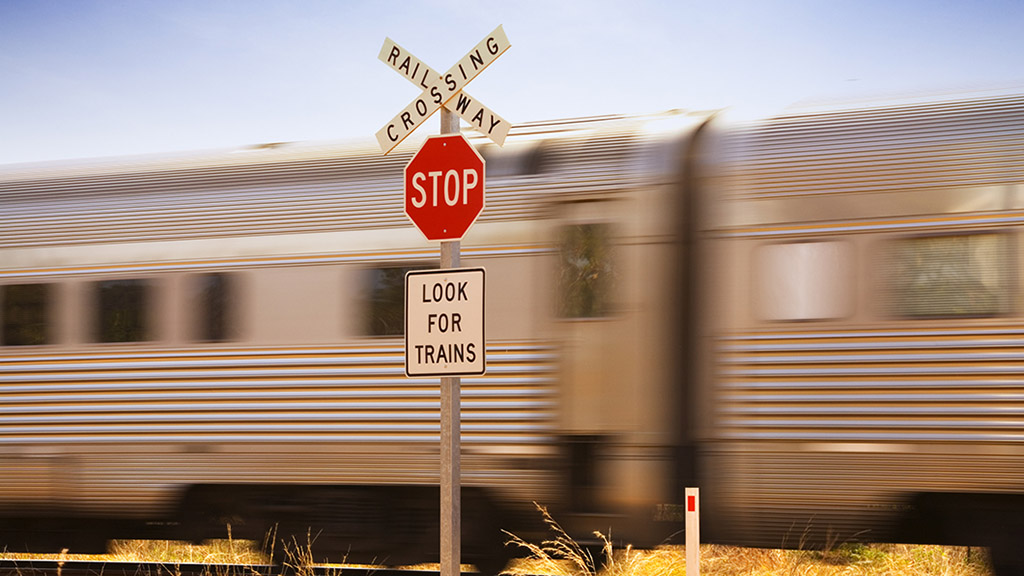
(447, 292)
(444, 323)
(445, 353)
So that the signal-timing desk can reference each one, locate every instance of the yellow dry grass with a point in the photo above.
(873, 560)
(238, 552)
(561, 556)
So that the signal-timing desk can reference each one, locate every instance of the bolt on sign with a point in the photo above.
(444, 323)
(444, 90)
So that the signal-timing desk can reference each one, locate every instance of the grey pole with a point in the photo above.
(451, 442)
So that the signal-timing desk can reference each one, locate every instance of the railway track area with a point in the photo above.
(118, 568)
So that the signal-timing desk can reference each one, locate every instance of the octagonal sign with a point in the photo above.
(444, 187)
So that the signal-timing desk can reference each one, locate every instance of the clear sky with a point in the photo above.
(89, 78)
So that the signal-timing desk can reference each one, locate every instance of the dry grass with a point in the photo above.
(857, 559)
(874, 560)
(225, 551)
(239, 552)
(561, 556)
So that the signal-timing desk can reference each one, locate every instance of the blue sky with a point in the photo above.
(90, 78)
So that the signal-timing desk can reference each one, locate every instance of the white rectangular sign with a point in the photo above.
(444, 323)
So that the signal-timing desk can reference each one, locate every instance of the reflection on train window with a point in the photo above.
(966, 275)
(122, 311)
(802, 281)
(212, 295)
(386, 306)
(586, 271)
(25, 314)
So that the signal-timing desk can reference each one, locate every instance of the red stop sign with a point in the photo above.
(444, 187)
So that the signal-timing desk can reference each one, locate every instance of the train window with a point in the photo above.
(122, 311)
(802, 281)
(386, 306)
(961, 275)
(212, 295)
(513, 159)
(25, 314)
(586, 272)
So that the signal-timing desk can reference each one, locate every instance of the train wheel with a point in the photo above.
(483, 541)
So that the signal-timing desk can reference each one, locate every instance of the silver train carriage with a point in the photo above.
(812, 317)
(862, 313)
(213, 339)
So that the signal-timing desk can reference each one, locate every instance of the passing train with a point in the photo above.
(814, 317)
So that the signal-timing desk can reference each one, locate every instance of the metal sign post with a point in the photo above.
(446, 92)
(451, 425)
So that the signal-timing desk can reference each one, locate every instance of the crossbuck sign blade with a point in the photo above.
(444, 90)
(468, 108)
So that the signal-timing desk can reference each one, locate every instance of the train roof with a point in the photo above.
(892, 146)
(287, 188)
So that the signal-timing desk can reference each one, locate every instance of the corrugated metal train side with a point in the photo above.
(815, 317)
(868, 377)
(298, 411)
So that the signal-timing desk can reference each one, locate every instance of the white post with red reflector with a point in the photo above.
(692, 531)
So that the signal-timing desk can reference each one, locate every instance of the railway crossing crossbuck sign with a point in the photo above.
(444, 187)
(444, 90)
